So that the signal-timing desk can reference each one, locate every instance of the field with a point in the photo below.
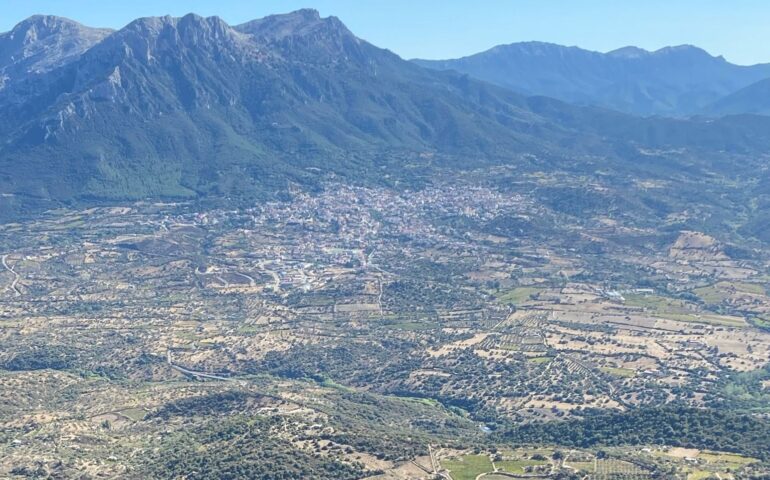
(720, 292)
(680, 310)
(468, 467)
(622, 463)
(607, 469)
(619, 372)
(518, 466)
(358, 329)
(517, 296)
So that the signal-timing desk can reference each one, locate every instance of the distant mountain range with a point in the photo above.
(192, 107)
(673, 81)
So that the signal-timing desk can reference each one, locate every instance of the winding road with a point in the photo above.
(16, 276)
(272, 273)
(194, 373)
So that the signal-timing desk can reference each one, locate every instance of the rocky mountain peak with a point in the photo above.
(305, 36)
(38, 27)
(42, 42)
(301, 23)
(629, 52)
(150, 38)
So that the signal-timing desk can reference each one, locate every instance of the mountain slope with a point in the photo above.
(42, 43)
(670, 81)
(194, 108)
(752, 99)
(189, 106)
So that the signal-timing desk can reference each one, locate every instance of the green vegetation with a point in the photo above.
(730, 460)
(240, 447)
(539, 360)
(746, 391)
(657, 303)
(760, 322)
(619, 372)
(517, 295)
(677, 426)
(205, 405)
(468, 467)
(135, 414)
(518, 466)
(680, 310)
(719, 292)
(329, 383)
(413, 326)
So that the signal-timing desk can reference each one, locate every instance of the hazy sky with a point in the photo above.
(737, 29)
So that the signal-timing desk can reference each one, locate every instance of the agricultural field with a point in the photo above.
(613, 463)
(610, 468)
(518, 295)
(367, 333)
(468, 467)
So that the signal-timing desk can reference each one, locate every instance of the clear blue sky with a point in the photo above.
(737, 29)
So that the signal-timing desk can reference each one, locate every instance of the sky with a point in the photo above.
(437, 29)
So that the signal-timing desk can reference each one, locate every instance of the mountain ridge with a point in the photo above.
(754, 99)
(191, 107)
(146, 111)
(672, 81)
(41, 43)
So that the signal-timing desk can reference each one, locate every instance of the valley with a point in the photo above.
(448, 309)
(273, 250)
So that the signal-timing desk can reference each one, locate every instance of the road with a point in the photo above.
(251, 280)
(379, 297)
(276, 278)
(368, 264)
(16, 276)
(194, 373)
(435, 464)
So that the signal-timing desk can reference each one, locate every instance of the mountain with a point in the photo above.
(191, 108)
(184, 107)
(41, 43)
(673, 81)
(752, 99)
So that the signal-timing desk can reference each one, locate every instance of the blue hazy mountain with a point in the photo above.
(752, 99)
(676, 81)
